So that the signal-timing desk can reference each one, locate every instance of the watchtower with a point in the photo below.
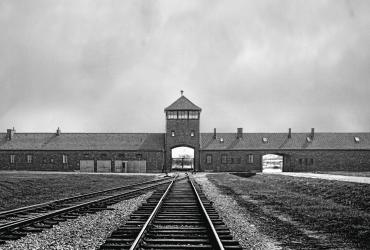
(182, 134)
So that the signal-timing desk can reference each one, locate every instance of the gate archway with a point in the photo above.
(182, 158)
(272, 163)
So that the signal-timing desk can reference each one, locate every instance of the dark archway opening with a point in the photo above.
(182, 158)
(272, 163)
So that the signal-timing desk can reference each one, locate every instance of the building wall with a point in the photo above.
(182, 129)
(323, 160)
(294, 160)
(52, 160)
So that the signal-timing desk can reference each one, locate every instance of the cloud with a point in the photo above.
(115, 65)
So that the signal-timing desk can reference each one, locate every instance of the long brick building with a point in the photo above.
(154, 152)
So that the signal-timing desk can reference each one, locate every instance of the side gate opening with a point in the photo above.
(182, 158)
(272, 163)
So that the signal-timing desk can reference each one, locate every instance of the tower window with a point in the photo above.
(193, 114)
(172, 133)
(172, 115)
(183, 115)
(192, 133)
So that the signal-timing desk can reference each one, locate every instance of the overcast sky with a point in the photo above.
(113, 66)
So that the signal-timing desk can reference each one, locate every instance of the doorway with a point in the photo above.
(272, 163)
(182, 158)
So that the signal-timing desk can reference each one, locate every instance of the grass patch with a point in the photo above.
(23, 189)
(335, 208)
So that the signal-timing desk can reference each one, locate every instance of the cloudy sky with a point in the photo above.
(113, 65)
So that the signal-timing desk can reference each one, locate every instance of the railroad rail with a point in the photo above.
(16, 223)
(179, 217)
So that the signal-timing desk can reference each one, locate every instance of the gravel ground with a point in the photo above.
(236, 218)
(86, 232)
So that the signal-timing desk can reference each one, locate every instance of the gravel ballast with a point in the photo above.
(86, 232)
(236, 218)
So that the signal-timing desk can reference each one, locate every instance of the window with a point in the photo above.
(139, 156)
(172, 133)
(193, 115)
(230, 160)
(357, 139)
(65, 159)
(86, 155)
(12, 158)
(265, 140)
(223, 159)
(29, 158)
(310, 162)
(209, 159)
(300, 161)
(250, 159)
(172, 115)
(183, 115)
(192, 133)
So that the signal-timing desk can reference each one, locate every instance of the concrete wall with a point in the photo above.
(294, 160)
(52, 160)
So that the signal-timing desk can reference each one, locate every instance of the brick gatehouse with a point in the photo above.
(154, 152)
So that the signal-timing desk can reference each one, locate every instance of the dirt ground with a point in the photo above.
(300, 213)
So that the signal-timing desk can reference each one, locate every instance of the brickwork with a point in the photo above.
(294, 160)
(53, 160)
(182, 130)
(216, 152)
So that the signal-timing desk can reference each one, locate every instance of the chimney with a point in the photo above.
(214, 133)
(58, 131)
(312, 133)
(10, 133)
(239, 133)
(290, 133)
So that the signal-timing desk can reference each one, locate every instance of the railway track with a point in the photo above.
(178, 217)
(16, 223)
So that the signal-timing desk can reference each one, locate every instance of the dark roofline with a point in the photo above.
(184, 97)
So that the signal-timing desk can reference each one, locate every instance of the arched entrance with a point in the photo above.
(272, 163)
(182, 158)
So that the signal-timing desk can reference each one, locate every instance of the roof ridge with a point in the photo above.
(183, 103)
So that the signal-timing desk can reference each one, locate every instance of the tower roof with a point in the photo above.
(182, 103)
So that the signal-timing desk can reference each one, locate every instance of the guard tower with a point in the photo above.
(182, 135)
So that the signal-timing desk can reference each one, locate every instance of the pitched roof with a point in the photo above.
(83, 141)
(182, 103)
(254, 141)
